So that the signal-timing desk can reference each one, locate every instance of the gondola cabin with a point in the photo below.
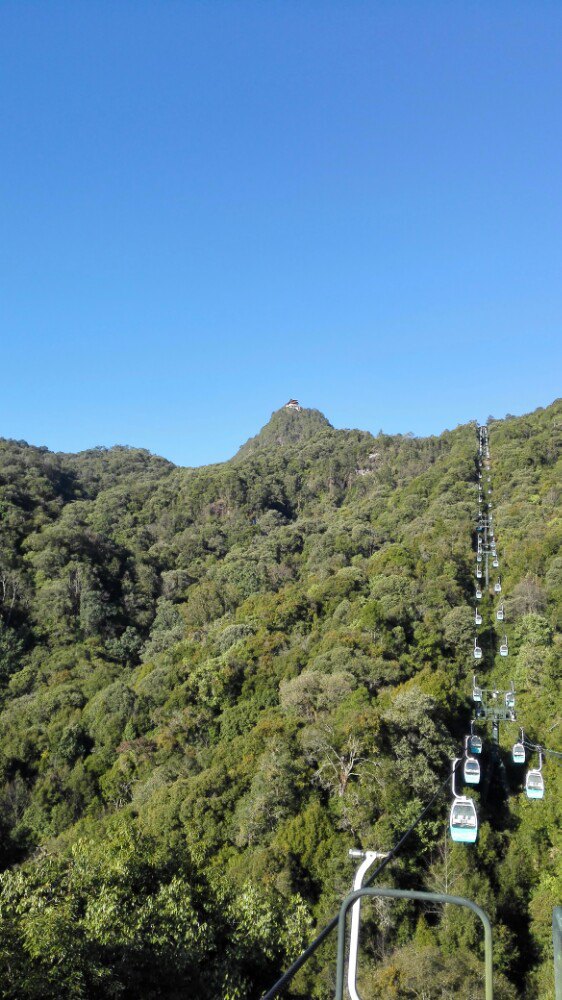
(477, 617)
(478, 594)
(498, 587)
(463, 821)
(477, 651)
(475, 744)
(534, 785)
(478, 571)
(500, 613)
(476, 693)
(518, 753)
(471, 771)
(504, 650)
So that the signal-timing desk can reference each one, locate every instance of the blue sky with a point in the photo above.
(208, 207)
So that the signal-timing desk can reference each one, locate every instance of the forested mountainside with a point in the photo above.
(216, 681)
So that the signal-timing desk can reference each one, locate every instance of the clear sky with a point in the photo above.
(208, 207)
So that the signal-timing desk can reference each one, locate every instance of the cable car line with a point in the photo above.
(540, 749)
(490, 704)
(493, 704)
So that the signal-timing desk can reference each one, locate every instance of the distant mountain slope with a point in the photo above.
(100, 468)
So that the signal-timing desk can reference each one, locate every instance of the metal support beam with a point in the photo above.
(428, 897)
(368, 858)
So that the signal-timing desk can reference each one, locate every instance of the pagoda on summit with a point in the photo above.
(293, 404)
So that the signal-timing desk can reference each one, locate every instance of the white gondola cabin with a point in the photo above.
(478, 594)
(498, 586)
(463, 821)
(495, 562)
(477, 650)
(477, 617)
(478, 571)
(475, 744)
(534, 784)
(504, 649)
(518, 753)
(471, 771)
(500, 613)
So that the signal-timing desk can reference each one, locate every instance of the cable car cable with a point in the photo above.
(538, 748)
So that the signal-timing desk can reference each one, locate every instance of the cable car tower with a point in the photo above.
(494, 706)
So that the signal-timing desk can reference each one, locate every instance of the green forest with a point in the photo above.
(216, 681)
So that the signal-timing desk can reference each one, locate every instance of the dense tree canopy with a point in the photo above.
(215, 681)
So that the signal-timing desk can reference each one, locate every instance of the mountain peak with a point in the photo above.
(287, 426)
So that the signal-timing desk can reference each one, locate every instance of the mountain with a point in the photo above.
(286, 427)
(216, 681)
